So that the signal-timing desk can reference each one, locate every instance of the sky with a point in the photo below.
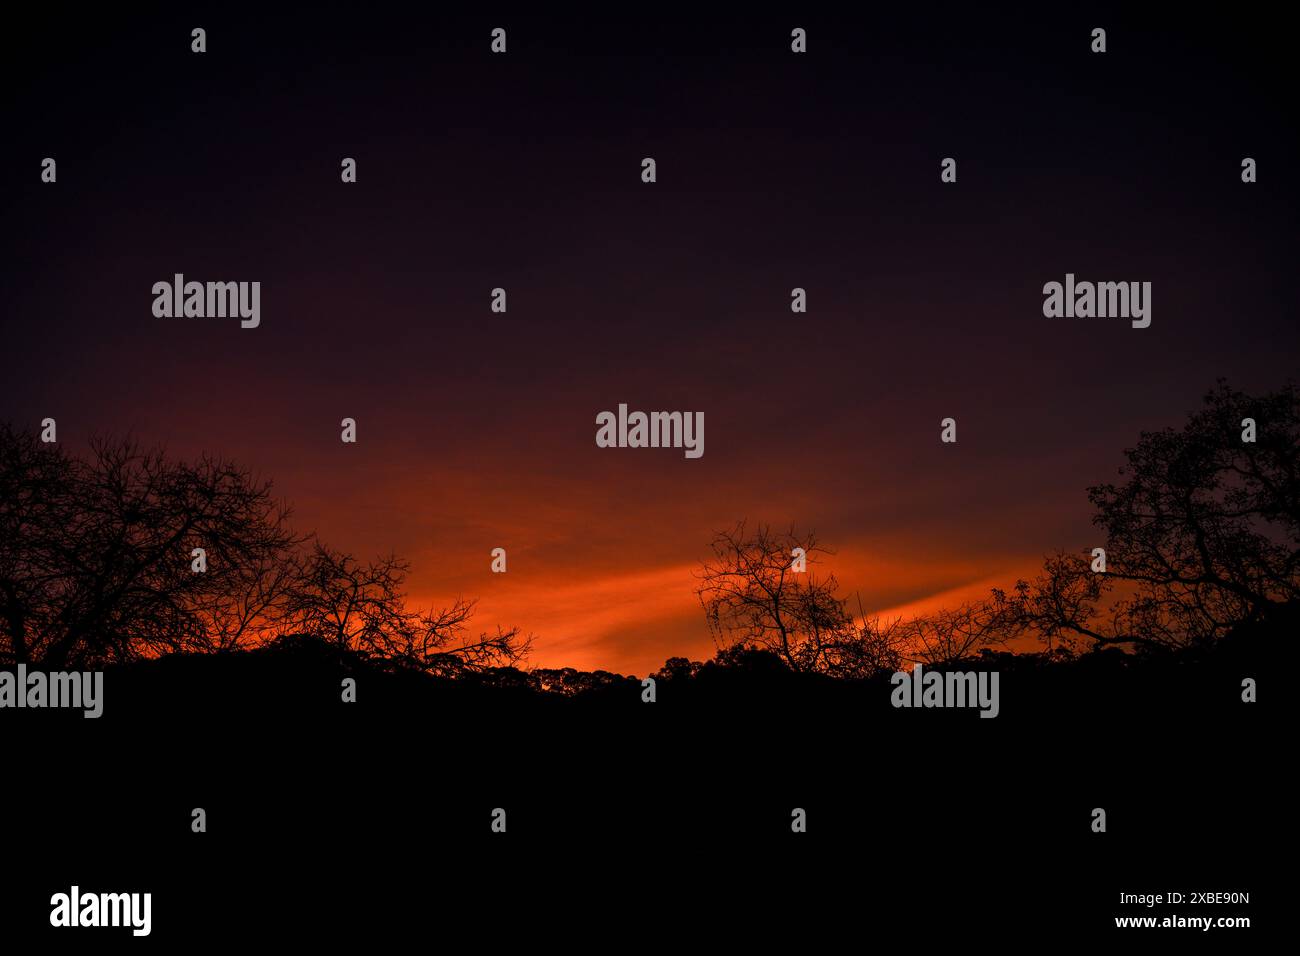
(522, 171)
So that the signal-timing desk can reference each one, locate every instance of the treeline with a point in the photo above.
(296, 675)
(125, 555)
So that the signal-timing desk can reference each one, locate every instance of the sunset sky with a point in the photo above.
(476, 430)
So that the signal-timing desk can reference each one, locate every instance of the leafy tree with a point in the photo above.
(1202, 536)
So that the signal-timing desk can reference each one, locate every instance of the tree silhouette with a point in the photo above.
(752, 596)
(870, 646)
(96, 567)
(95, 556)
(442, 645)
(950, 635)
(754, 599)
(359, 606)
(1202, 537)
(253, 607)
(35, 488)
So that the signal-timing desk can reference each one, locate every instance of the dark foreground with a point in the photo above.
(372, 821)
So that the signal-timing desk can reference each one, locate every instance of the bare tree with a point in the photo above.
(96, 567)
(870, 646)
(951, 634)
(36, 493)
(254, 606)
(751, 595)
(363, 607)
(99, 567)
(443, 644)
(359, 606)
